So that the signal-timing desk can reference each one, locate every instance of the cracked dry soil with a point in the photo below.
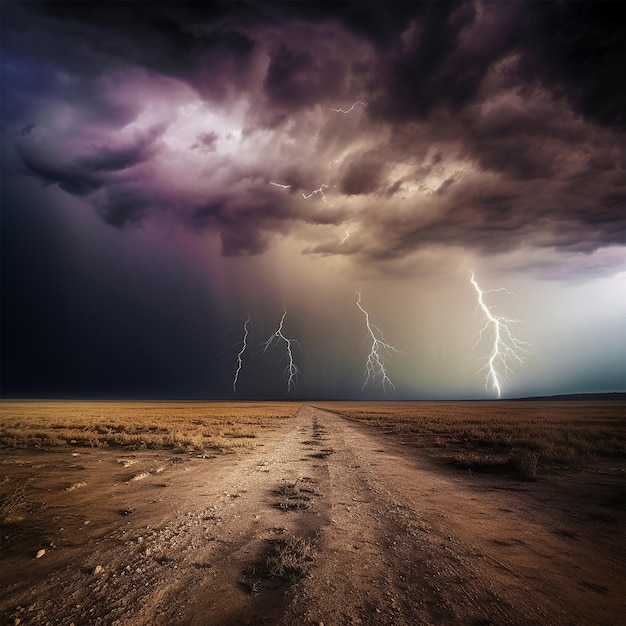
(326, 522)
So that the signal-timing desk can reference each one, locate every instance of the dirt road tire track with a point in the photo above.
(426, 546)
(396, 540)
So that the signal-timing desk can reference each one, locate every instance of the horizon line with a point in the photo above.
(609, 395)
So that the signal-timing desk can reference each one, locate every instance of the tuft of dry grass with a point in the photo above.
(9, 502)
(293, 496)
(182, 426)
(289, 558)
(525, 462)
(286, 560)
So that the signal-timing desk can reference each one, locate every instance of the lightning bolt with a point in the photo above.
(320, 190)
(345, 237)
(505, 347)
(351, 108)
(375, 364)
(279, 185)
(291, 369)
(244, 343)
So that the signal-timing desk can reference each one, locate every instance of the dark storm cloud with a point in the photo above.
(246, 226)
(431, 53)
(496, 222)
(123, 207)
(86, 174)
(161, 37)
(362, 176)
(525, 187)
(523, 141)
(375, 21)
(575, 49)
(71, 178)
(208, 45)
(579, 50)
(422, 69)
(114, 159)
(297, 78)
(530, 96)
(238, 238)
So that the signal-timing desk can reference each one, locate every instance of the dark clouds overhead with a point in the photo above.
(578, 49)
(388, 139)
(530, 95)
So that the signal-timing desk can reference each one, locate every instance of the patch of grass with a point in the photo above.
(293, 496)
(481, 462)
(289, 558)
(11, 501)
(525, 462)
(286, 560)
(522, 462)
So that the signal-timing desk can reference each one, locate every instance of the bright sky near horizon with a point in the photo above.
(169, 169)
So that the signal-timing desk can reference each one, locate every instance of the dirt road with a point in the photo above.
(381, 534)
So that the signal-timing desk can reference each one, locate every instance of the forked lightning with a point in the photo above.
(291, 369)
(505, 346)
(375, 364)
(320, 191)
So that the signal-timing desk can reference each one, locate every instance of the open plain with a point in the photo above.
(502, 513)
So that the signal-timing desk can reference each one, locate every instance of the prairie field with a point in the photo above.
(223, 513)
(524, 437)
(185, 426)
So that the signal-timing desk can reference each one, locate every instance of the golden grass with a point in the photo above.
(201, 426)
(523, 436)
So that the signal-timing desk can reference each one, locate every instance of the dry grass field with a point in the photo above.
(183, 426)
(524, 438)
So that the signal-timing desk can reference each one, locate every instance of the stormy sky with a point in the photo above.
(171, 168)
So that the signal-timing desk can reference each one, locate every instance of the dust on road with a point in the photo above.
(325, 522)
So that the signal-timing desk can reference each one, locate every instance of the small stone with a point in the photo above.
(97, 570)
(40, 554)
(17, 621)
